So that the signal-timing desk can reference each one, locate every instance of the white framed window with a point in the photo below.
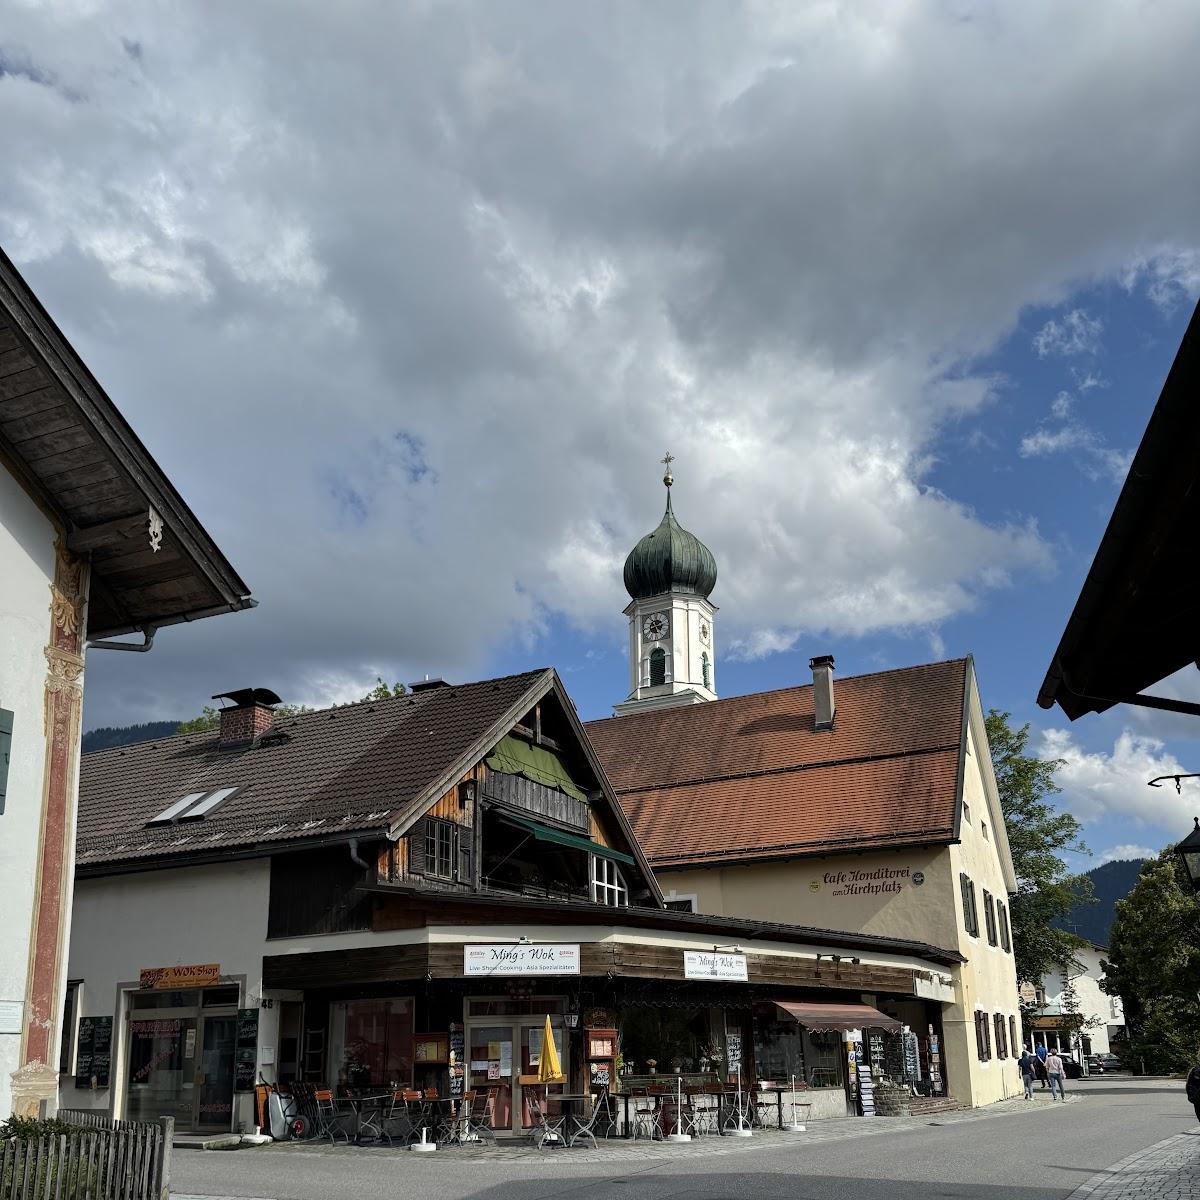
(439, 848)
(608, 884)
(681, 903)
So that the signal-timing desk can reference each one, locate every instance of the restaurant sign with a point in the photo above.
(531, 959)
(174, 978)
(712, 964)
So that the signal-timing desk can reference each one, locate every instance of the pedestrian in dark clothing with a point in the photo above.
(1193, 1088)
(1041, 1053)
(1025, 1063)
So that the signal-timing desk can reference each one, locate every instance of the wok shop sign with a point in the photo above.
(533, 959)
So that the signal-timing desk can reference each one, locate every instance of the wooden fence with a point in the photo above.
(102, 1159)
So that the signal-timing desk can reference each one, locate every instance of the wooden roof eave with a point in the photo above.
(50, 349)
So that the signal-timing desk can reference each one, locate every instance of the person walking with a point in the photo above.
(1193, 1088)
(1027, 1068)
(1056, 1073)
(1041, 1053)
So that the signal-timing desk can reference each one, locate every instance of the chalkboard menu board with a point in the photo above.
(247, 1050)
(457, 1060)
(94, 1055)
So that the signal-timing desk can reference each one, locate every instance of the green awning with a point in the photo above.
(513, 756)
(560, 837)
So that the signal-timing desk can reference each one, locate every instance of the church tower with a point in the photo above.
(669, 575)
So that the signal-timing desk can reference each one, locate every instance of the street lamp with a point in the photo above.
(1189, 851)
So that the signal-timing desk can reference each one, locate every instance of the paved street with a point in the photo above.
(1020, 1152)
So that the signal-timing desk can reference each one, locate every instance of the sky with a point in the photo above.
(409, 300)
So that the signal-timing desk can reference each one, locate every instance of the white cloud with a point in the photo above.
(1075, 333)
(447, 289)
(1097, 785)
(1093, 457)
(1124, 853)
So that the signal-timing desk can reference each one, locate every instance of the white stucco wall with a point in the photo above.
(1105, 1013)
(168, 918)
(26, 572)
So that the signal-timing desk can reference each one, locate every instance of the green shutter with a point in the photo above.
(516, 757)
(547, 833)
(6, 725)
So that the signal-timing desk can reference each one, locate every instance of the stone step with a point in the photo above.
(921, 1106)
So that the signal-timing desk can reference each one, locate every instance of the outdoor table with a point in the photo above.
(778, 1090)
(571, 1104)
(370, 1119)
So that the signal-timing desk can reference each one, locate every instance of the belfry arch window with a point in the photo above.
(705, 673)
(658, 666)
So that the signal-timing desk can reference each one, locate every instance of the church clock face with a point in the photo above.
(655, 627)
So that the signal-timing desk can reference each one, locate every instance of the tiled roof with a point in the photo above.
(337, 771)
(750, 777)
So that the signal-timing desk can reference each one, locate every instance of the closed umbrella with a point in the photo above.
(549, 1069)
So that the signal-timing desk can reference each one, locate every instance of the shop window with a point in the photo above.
(371, 1042)
(989, 916)
(1005, 934)
(608, 884)
(658, 666)
(689, 1037)
(440, 848)
(778, 1048)
(970, 913)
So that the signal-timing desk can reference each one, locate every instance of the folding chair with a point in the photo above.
(645, 1115)
(398, 1119)
(547, 1129)
(331, 1120)
(480, 1115)
(601, 1119)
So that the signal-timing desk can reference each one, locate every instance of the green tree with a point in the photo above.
(1038, 835)
(1154, 965)
(381, 691)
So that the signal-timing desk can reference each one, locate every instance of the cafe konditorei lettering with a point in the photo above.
(531, 959)
(879, 881)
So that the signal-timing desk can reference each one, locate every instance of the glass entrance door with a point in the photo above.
(503, 1058)
(162, 1054)
(214, 1072)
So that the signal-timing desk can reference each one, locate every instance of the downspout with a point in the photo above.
(358, 862)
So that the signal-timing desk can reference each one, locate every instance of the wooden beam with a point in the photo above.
(109, 533)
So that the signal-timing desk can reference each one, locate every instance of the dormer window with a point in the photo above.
(194, 806)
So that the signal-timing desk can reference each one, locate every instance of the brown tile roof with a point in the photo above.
(749, 777)
(338, 771)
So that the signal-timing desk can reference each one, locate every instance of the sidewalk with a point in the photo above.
(1169, 1170)
(620, 1150)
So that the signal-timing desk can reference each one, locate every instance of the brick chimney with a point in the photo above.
(248, 716)
(824, 708)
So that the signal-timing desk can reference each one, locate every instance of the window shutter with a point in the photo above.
(416, 847)
(1012, 1033)
(1005, 934)
(463, 837)
(966, 901)
(6, 725)
(974, 909)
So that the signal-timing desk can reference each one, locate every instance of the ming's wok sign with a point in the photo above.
(174, 978)
(550, 959)
(700, 964)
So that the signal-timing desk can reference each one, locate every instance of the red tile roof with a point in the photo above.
(750, 777)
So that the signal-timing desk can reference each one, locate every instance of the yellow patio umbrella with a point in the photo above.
(549, 1069)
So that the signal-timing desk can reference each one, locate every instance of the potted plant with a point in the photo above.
(676, 1064)
(652, 1066)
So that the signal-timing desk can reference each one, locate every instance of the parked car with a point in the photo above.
(1072, 1069)
(1111, 1062)
(1095, 1064)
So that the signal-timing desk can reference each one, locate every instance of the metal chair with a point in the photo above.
(478, 1117)
(602, 1118)
(331, 1120)
(398, 1118)
(645, 1114)
(547, 1129)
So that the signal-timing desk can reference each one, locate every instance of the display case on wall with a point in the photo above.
(600, 1050)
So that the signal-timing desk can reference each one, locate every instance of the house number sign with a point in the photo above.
(555, 958)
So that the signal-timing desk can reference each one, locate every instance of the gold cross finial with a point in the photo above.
(667, 460)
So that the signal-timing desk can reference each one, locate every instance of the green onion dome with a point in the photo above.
(670, 560)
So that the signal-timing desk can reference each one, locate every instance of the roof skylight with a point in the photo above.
(193, 807)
